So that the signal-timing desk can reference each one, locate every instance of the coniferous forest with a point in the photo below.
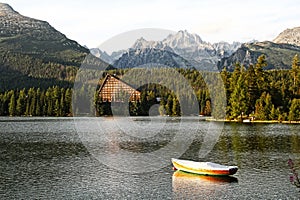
(251, 92)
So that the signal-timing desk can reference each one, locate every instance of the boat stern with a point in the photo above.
(233, 170)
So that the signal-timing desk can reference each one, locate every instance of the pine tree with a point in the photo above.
(161, 108)
(268, 106)
(38, 103)
(32, 96)
(12, 105)
(263, 107)
(21, 103)
(57, 108)
(251, 82)
(43, 103)
(235, 77)
(238, 99)
(62, 111)
(49, 102)
(295, 73)
(274, 113)
(233, 84)
(294, 113)
(30, 102)
(259, 109)
(226, 80)
(175, 108)
(260, 74)
(68, 101)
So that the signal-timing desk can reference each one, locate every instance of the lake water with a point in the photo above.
(50, 158)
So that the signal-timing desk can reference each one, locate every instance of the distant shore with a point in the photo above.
(202, 118)
(253, 121)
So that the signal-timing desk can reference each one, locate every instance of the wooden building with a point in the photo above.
(114, 89)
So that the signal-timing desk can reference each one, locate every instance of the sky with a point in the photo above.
(93, 23)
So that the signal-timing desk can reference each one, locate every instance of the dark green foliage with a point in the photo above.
(36, 102)
(238, 99)
(264, 106)
(294, 113)
(295, 73)
(265, 95)
(34, 54)
(251, 83)
(12, 104)
(24, 71)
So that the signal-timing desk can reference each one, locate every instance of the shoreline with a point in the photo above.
(208, 119)
(253, 122)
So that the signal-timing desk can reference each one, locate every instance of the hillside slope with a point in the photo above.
(279, 56)
(33, 53)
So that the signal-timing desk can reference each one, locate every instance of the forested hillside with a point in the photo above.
(34, 54)
(38, 66)
(263, 95)
(252, 92)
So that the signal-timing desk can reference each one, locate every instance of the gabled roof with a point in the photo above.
(109, 75)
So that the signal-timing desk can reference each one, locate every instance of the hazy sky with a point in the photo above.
(92, 22)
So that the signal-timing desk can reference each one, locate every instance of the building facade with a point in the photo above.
(114, 89)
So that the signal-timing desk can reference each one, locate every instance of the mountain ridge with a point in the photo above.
(278, 56)
(35, 50)
(191, 47)
(186, 45)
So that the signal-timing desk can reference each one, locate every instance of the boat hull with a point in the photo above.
(204, 168)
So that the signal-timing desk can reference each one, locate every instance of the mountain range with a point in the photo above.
(278, 55)
(34, 54)
(184, 49)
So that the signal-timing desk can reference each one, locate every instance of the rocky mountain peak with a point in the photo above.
(6, 9)
(183, 39)
(140, 43)
(13, 24)
(144, 44)
(23, 34)
(289, 36)
(189, 46)
(186, 34)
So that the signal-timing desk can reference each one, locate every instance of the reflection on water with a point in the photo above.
(179, 176)
(189, 186)
(44, 158)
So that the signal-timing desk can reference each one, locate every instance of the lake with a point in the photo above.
(121, 158)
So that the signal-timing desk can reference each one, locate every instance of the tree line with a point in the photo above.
(250, 92)
(263, 95)
(54, 101)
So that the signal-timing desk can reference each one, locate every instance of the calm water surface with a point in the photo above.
(44, 158)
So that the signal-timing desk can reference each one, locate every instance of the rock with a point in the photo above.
(289, 36)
